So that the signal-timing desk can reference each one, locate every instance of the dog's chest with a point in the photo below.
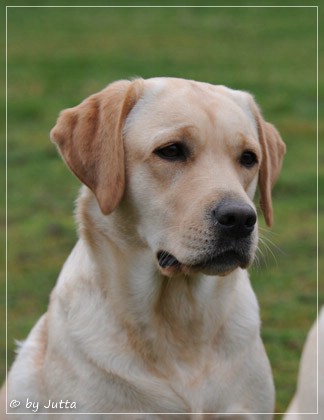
(207, 388)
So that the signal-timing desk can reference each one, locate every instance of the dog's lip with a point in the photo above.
(220, 263)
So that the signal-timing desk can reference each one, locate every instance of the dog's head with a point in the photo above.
(186, 157)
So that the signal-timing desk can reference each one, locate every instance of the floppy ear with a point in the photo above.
(89, 138)
(273, 150)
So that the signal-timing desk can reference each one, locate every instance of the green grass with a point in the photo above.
(58, 56)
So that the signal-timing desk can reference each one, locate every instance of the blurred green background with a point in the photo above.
(58, 56)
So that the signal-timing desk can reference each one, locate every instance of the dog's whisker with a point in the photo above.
(261, 257)
(271, 243)
(268, 249)
(267, 231)
(256, 262)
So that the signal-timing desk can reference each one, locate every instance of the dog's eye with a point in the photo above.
(248, 159)
(174, 151)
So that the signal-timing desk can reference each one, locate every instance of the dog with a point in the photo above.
(309, 397)
(153, 311)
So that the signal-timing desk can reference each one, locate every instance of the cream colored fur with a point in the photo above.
(122, 334)
(309, 397)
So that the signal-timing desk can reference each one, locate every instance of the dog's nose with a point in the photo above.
(235, 218)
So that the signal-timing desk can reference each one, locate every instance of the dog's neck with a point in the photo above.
(164, 317)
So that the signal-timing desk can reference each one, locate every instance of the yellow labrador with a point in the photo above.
(153, 311)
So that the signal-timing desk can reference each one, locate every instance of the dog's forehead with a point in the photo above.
(171, 102)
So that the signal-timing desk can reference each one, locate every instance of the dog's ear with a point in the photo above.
(273, 150)
(89, 138)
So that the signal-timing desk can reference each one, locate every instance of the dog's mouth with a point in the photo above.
(221, 263)
(167, 260)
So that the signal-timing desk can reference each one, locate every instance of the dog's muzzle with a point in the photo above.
(228, 245)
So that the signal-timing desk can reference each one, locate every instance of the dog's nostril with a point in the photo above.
(226, 219)
(251, 220)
